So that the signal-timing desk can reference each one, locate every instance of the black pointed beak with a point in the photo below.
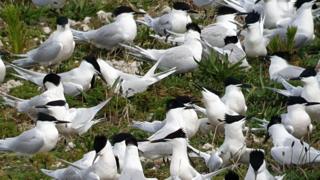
(62, 122)
(159, 140)
(241, 13)
(312, 103)
(193, 11)
(296, 79)
(95, 157)
(41, 107)
(139, 13)
(257, 1)
(248, 86)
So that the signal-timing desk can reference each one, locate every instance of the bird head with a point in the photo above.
(235, 82)
(62, 22)
(175, 135)
(182, 6)
(51, 80)
(43, 117)
(307, 76)
(274, 120)
(256, 160)
(99, 143)
(124, 10)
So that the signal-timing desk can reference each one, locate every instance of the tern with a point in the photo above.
(75, 81)
(122, 30)
(57, 48)
(42, 138)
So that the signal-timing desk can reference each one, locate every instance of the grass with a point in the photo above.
(15, 28)
(120, 112)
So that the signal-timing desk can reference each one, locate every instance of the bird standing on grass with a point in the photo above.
(57, 48)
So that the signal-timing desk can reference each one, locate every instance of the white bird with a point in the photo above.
(42, 138)
(51, 3)
(286, 148)
(119, 148)
(215, 109)
(131, 84)
(302, 20)
(174, 21)
(234, 147)
(234, 52)
(296, 120)
(309, 91)
(279, 68)
(54, 91)
(182, 57)
(179, 115)
(2, 71)
(276, 11)
(122, 30)
(233, 96)
(255, 44)
(132, 165)
(178, 102)
(99, 162)
(58, 47)
(225, 25)
(81, 119)
(74, 82)
(258, 168)
(180, 167)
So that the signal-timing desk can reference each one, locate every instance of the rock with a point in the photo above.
(207, 146)
(86, 20)
(7, 86)
(128, 67)
(46, 30)
(85, 27)
(104, 16)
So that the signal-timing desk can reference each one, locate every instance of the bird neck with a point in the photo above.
(46, 126)
(179, 150)
(125, 17)
(179, 12)
(234, 131)
(233, 88)
(132, 159)
(295, 107)
(227, 18)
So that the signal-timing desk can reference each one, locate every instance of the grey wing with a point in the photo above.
(236, 54)
(29, 142)
(173, 57)
(215, 35)
(109, 35)
(173, 123)
(151, 127)
(48, 51)
(291, 72)
(164, 23)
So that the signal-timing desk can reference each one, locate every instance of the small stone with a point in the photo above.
(207, 146)
(86, 20)
(46, 30)
(104, 16)
(7, 86)
(85, 27)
